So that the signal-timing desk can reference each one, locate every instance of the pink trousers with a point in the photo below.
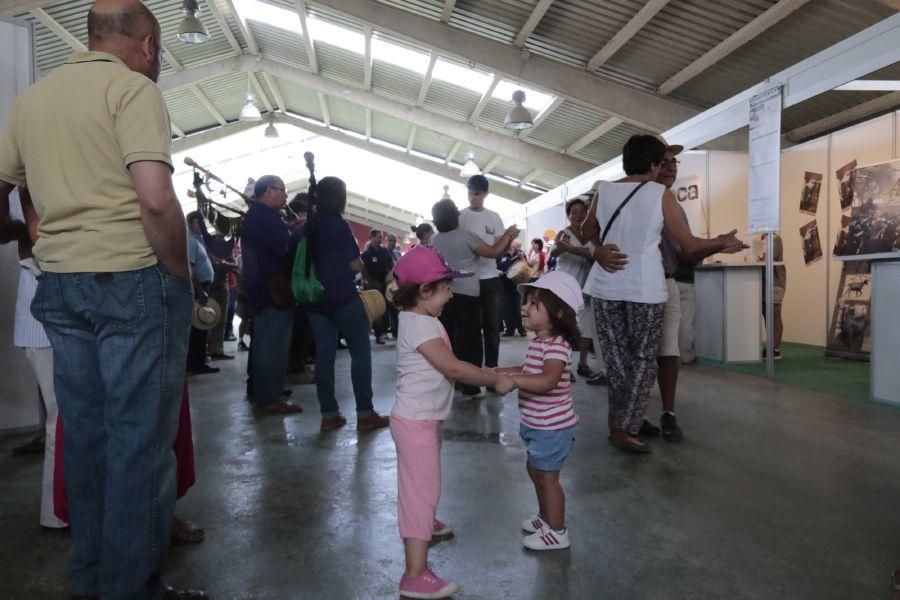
(418, 475)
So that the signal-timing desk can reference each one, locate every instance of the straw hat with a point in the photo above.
(374, 304)
(206, 316)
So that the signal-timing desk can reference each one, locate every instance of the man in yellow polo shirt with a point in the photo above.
(93, 141)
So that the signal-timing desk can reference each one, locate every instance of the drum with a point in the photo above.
(374, 304)
(519, 272)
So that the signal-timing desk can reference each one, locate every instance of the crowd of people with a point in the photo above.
(122, 285)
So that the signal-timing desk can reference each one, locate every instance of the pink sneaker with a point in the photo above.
(441, 528)
(426, 585)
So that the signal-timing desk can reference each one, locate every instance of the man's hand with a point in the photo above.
(512, 231)
(202, 297)
(730, 242)
(610, 258)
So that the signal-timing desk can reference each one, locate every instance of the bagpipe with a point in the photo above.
(226, 225)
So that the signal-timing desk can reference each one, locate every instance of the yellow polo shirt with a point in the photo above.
(71, 136)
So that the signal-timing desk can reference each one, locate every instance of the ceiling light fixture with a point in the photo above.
(519, 117)
(191, 30)
(249, 113)
(446, 195)
(470, 168)
(271, 132)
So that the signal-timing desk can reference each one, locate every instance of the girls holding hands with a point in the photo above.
(426, 371)
(549, 422)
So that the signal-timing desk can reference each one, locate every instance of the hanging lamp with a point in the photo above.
(191, 30)
(519, 117)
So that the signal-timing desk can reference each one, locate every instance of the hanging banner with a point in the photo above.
(765, 161)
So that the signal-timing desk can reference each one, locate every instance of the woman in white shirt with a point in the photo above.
(629, 301)
(574, 257)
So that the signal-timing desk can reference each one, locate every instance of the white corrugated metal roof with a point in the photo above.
(571, 32)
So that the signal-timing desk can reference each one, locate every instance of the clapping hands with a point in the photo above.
(731, 244)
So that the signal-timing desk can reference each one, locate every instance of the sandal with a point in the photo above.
(186, 532)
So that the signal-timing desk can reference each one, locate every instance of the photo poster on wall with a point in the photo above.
(809, 198)
(846, 177)
(687, 192)
(874, 226)
(812, 244)
(841, 240)
(850, 334)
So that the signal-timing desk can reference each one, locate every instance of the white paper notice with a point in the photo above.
(765, 161)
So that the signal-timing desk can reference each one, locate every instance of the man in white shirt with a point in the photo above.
(488, 226)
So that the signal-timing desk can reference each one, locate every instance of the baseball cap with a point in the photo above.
(562, 284)
(424, 264)
(675, 149)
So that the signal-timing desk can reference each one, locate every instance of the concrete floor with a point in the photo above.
(776, 492)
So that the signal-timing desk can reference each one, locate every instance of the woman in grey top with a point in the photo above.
(462, 315)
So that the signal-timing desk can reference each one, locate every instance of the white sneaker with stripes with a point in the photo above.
(535, 523)
(546, 539)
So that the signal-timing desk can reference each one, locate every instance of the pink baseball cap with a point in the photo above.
(562, 284)
(424, 264)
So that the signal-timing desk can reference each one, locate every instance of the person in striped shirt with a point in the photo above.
(549, 422)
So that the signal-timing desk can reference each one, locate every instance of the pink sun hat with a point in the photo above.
(424, 264)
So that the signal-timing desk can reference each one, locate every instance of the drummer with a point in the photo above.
(461, 316)
(574, 257)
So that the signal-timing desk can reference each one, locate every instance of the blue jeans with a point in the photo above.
(272, 329)
(120, 343)
(353, 323)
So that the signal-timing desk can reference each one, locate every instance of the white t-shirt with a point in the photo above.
(637, 232)
(423, 393)
(576, 266)
(488, 226)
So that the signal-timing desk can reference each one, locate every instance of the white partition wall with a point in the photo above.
(805, 309)
(19, 406)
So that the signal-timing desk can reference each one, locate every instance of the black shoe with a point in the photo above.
(671, 432)
(648, 428)
(776, 354)
(598, 380)
(35, 446)
(508, 333)
(473, 392)
(242, 346)
(585, 371)
(229, 337)
(222, 356)
(379, 340)
(203, 370)
(341, 345)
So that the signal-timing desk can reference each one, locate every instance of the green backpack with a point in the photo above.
(306, 286)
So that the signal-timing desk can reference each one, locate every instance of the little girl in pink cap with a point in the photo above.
(426, 371)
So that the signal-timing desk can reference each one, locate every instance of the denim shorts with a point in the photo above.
(547, 448)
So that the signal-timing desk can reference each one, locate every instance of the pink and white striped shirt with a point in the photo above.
(554, 409)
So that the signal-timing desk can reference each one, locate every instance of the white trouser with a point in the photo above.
(41, 360)
(686, 331)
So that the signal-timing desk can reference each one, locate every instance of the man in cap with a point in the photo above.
(93, 140)
(668, 354)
